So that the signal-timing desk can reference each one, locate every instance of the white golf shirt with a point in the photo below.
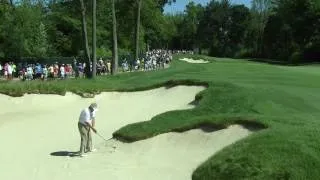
(62, 70)
(86, 116)
(10, 69)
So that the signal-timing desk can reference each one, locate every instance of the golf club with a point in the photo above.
(114, 147)
(103, 137)
(99, 134)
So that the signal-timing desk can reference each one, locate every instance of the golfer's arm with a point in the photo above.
(93, 122)
(90, 125)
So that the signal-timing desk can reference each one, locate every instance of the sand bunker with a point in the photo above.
(194, 61)
(34, 126)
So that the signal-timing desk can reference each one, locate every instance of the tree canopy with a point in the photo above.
(276, 29)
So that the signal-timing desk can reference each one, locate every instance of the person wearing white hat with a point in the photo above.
(85, 124)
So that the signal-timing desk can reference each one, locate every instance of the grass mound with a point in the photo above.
(219, 106)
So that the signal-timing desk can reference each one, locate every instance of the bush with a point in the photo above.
(312, 52)
(244, 53)
(295, 57)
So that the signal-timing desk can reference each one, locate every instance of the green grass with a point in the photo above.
(284, 101)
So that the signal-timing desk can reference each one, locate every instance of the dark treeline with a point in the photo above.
(286, 30)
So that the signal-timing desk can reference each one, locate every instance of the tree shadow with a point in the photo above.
(65, 153)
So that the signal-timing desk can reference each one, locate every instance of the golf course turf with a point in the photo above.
(283, 102)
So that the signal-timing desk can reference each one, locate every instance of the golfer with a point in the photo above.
(85, 124)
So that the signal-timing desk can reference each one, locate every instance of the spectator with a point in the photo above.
(62, 72)
(45, 72)
(38, 70)
(1, 70)
(51, 71)
(29, 73)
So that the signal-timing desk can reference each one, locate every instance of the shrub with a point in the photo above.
(244, 53)
(295, 57)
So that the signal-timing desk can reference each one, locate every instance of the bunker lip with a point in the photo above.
(90, 93)
(207, 127)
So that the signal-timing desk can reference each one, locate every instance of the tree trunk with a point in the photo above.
(114, 68)
(85, 38)
(94, 43)
(137, 30)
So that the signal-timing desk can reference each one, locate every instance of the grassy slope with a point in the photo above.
(285, 99)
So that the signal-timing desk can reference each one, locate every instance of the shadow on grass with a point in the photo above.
(207, 127)
(211, 127)
(283, 63)
(167, 84)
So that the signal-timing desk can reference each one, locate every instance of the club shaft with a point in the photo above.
(103, 137)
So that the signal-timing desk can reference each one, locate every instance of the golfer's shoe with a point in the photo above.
(93, 150)
(83, 155)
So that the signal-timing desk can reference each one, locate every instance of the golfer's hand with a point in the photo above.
(94, 130)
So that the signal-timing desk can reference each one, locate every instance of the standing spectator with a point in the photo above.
(51, 71)
(80, 70)
(14, 69)
(29, 73)
(1, 70)
(10, 71)
(67, 70)
(76, 68)
(22, 73)
(38, 70)
(6, 71)
(45, 72)
(55, 71)
(109, 66)
(62, 72)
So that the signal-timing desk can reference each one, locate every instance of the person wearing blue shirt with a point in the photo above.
(38, 71)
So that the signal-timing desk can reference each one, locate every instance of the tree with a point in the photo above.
(291, 30)
(23, 32)
(115, 39)
(191, 20)
(214, 28)
(137, 29)
(162, 3)
(261, 10)
(240, 20)
(40, 45)
(94, 43)
(85, 38)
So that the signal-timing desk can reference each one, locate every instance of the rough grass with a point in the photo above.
(283, 100)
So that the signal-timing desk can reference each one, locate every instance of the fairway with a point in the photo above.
(283, 102)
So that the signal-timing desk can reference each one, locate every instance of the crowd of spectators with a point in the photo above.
(151, 60)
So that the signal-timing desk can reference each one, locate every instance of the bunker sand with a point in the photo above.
(198, 61)
(34, 126)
